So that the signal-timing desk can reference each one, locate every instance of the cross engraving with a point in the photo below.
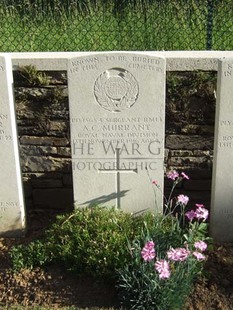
(118, 171)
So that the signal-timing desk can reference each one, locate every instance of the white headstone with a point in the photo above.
(221, 212)
(117, 112)
(12, 217)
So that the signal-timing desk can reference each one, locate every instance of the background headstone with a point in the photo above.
(12, 217)
(117, 115)
(221, 213)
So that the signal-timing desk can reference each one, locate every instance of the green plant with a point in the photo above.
(93, 240)
(89, 241)
(162, 270)
(33, 77)
(28, 256)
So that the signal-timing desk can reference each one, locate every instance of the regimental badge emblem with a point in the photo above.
(116, 90)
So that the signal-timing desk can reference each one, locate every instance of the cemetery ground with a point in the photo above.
(55, 288)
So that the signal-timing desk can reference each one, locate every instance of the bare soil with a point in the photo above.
(53, 287)
(215, 289)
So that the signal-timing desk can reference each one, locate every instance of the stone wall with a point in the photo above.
(43, 127)
(190, 114)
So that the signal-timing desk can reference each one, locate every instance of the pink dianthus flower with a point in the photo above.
(148, 251)
(190, 215)
(202, 213)
(200, 245)
(185, 176)
(172, 175)
(183, 199)
(199, 205)
(163, 269)
(199, 256)
(178, 254)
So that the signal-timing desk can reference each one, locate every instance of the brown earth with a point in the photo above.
(51, 287)
(215, 289)
(54, 287)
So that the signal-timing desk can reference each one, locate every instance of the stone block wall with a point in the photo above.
(190, 116)
(44, 137)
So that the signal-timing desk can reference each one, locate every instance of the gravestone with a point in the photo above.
(221, 213)
(12, 222)
(117, 112)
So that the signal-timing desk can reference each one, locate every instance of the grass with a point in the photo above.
(147, 25)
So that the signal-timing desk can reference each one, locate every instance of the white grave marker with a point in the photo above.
(221, 212)
(12, 217)
(117, 115)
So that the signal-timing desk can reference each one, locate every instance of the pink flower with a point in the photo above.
(202, 213)
(200, 245)
(184, 175)
(190, 215)
(150, 244)
(172, 175)
(155, 182)
(163, 269)
(199, 205)
(148, 252)
(183, 199)
(178, 254)
(199, 256)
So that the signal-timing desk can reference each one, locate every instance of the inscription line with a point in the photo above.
(113, 158)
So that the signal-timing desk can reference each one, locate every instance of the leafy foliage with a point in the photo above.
(155, 259)
(90, 241)
(172, 245)
(33, 77)
(140, 286)
(34, 254)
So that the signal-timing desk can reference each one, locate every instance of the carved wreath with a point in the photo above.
(111, 104)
